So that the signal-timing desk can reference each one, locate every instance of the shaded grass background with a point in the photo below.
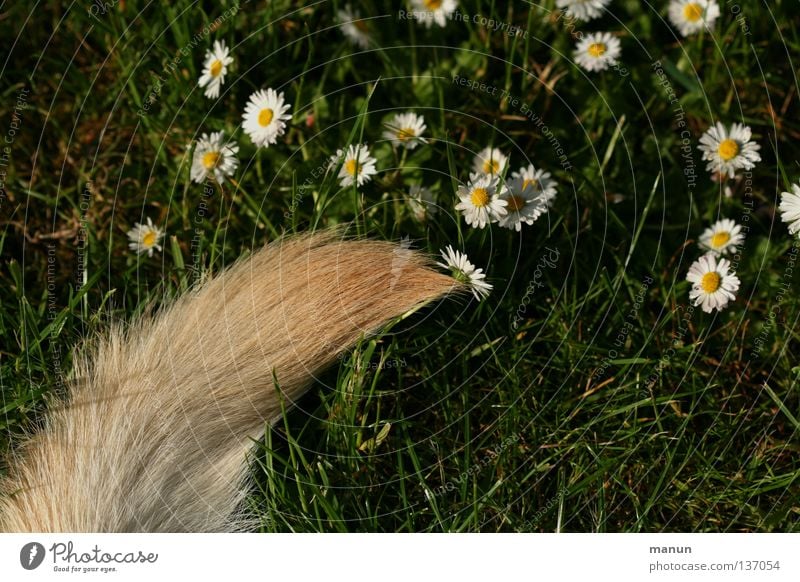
(551, 426)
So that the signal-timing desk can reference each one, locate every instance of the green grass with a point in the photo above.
(609, 408)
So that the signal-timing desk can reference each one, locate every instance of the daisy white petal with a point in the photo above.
(597, 51)
(713, 284)
(722, 238)
(430, 11)
(214, 157)
(265, 117)
(583, 9)
(144, 238)
(465, 272)
(790, 208)
(354, 27)
(691, 16)
(480, 200)
(215, 66)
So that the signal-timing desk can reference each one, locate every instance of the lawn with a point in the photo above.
(585, 393)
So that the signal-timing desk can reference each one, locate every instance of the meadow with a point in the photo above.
(586, 390)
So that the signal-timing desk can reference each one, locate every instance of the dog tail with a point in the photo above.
(154, 432)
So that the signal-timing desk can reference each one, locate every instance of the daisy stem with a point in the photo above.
(402, 163)
(302, 141)
(413, 37)
(257, 209)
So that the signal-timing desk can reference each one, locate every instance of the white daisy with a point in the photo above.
(406, 130)
(480, 200)
(144, 238)
(422, 202)
(691, 16)
(729, 150)
(213, 156)
(354, 27)
(465, 272)
(358, 166)
(490, 161)
(712, 283)
(540, 181)
(722, 238)
(790, 208)
(265, 117)
(523, 203)
(597, 51)
(215, 65)
(583, 9)
(430, 11)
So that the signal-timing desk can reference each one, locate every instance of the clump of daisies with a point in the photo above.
(490, 161)
(722, 238)
(406, 130)
(353, 27)
(713, 283)
(145, 238)
(430, 11)
(215, 66)
(214, 157)
(790, 208)
(465, 272)
(481, 200)
(265, 117)
(597, 51)
(728, 150)
(583, 9)
(357, 165)
(691, 16)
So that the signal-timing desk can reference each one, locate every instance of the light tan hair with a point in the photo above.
(154, 430)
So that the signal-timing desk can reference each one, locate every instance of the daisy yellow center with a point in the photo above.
(728, 149)
(351, 167)
(693, 12)
(532, 182)
(149, 238)
(597, 49)
(491, 166)
(210, 160)
(433, 4)
(480, 197)
(515, 203)
(216, 68)
(720, 239)
(265, 117)
(361, 25)
(710, 282)
(405, 133)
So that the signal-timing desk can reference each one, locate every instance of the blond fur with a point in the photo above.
(154, 432)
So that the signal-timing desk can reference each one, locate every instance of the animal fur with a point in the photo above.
(154, 432)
